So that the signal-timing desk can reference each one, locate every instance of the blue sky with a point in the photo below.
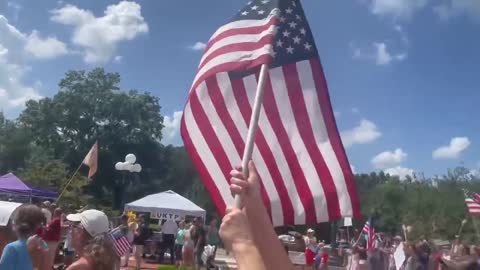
(401, 73)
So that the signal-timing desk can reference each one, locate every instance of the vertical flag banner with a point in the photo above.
(91, 160)
(369, 231)
(305, 174)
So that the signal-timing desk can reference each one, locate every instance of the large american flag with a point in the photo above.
(305, 174)
(472, 200)
(120, 241)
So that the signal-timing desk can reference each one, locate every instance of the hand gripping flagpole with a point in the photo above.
(252, 129)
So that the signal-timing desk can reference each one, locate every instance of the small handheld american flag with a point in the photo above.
(369, 230)
(472, 200)
(120, 242)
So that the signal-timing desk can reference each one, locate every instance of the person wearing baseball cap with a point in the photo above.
(311, 246)
(90, 241)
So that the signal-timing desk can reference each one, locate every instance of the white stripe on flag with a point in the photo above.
(285, 110)
(321, 135)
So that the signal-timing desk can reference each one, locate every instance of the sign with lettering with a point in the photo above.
(165, 216)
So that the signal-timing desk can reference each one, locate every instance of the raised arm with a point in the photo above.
(237, 236)
(264, 236)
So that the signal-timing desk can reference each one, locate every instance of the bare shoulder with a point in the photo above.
(81, 264)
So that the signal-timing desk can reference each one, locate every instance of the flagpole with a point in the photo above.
(252, 129)
(69, 181)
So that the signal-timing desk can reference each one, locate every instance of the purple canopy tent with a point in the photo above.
(11, 184)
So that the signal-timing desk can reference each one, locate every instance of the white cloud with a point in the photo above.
(354, 170)
(471, 8)
(13, 67)
(383, 57)
(118, 59)
(171, 128)
(100, 36)
(47, 48)
(453, 150)
(399, 171)
(389, 159)
(398, 9)
(379, 53)
(198, 46)
(475, 173)
(366, 132)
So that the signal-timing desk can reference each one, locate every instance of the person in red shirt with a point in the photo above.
(51, 234)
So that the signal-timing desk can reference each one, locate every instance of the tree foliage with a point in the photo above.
(433, 207)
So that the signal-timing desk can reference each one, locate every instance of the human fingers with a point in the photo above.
(238, 187)
(228, 210)
(239, 182)
(252, 170)
(237, 174)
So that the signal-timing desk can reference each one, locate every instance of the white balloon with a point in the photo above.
(119, 166)
(130, 158)
(137, 168)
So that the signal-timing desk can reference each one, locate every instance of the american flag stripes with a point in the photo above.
(472, 200)
(120, 242)
(366, 227)
(369, 230)
(305, 174)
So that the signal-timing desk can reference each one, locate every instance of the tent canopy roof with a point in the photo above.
(167, 201)
(10, 183)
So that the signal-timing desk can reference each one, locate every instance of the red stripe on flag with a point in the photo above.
(334, 135)
(217, 99)
(262, 145)
(242, 31)
(229, 66)
(213, 141)
(235, 47)
(305, 129)
(297, 172)
(202, 170)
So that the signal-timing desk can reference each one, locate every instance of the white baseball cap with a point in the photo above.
(95, 222)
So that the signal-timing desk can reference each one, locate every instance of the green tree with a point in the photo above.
(89, 107)
(14, 145)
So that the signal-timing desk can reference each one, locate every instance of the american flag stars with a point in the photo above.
(292, 37)
(292, 34)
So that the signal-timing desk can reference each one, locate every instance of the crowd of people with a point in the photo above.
(33, 235)
(184, 240)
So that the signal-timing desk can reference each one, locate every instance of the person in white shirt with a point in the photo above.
(311, 246)
(169, 230)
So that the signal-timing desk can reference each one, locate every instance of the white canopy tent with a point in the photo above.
(6, 211)
(166, 205)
